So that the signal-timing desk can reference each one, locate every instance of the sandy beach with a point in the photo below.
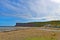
(28, 34)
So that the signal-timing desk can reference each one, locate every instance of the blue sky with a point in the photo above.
(13, 11)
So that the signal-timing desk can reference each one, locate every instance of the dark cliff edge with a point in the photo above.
(39, 24)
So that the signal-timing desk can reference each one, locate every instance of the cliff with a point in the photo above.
(39, 24)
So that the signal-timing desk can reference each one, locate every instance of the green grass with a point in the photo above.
(40, 38)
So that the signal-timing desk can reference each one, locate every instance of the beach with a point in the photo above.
(30, 34)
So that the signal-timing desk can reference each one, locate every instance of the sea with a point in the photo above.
(7, 29)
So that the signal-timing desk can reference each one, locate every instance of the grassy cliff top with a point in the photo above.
(54, 23)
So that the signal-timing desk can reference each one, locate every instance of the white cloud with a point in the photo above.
(33, 9)
(45, 8)
(56, 1)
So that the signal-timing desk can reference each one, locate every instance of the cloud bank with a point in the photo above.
(38, 10)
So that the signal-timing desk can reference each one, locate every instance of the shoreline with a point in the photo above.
(8, 29)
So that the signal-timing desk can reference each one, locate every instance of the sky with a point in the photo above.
(22, 11)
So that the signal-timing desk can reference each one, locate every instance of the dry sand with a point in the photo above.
(25, 33)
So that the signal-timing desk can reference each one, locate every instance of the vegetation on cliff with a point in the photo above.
(48, 23)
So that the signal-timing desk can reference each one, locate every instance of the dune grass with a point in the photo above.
(52, 37)
(39, 38)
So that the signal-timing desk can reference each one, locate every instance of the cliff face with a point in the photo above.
(25, 24)
(40, 24)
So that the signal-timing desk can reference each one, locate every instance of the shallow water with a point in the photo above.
(2, 29)
(7, 28)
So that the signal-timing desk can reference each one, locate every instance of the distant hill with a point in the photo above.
(39, 24)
